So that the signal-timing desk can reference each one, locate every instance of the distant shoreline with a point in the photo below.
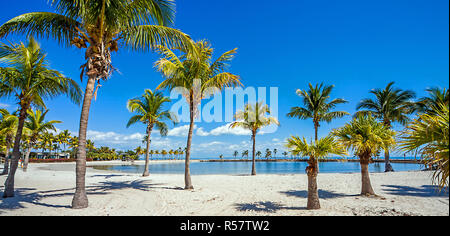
(305, 160)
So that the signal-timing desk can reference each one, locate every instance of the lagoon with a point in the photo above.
(243, 168)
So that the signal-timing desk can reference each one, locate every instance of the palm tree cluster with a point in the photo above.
(370, 131)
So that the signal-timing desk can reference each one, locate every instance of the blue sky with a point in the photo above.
(355, 45)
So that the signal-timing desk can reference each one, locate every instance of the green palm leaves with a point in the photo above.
(429, 134)
(316, 150)
(149, 110)
(29, 77)
(390, 105)
(365, 136)
(254, 117)
(140, 24)
(317, 106)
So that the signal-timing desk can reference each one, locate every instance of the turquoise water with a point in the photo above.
(242, 168)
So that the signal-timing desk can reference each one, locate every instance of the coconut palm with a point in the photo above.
(365, 137)
(253, 118)
(285, 154)
(8, 128)
(197, 77)
(315, 150)
(37, 125)
(100, 27)
(29, 79)
(317, 106)
(149, 111)
(429, 134)
(390, 105)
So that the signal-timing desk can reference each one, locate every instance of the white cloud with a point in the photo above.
(3, 105)
(181, 131)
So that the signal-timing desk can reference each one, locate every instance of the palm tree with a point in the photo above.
(64, 137)
(268, 153)
(8, 128)
(139, 151)
(317, 106)
(365, 137)
(90, 145)
(235, 154)
(30, 80)
(390, 105)
(149, 110)
(37, 125)
(429, 134)
(436, 97)
(245, 153)
(258, 154)
(315, 150)
(253, 118)
(100, 27)
(197, 77)
(285, 154)
(275, 152)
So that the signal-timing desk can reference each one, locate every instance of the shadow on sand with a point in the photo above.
(32, 196)
(423, 191)
(323, 194)
(269, 207)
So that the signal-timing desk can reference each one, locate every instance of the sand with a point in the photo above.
(47, 189)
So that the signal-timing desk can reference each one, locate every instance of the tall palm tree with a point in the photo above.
(37, 125)
(390, 105)
(317, 106)
(253, 118)
(149, 111)
(365, 137)
(100, 27)
(429, 134)
(8, 128)
(315, 150)
(196, 75)
(29, 79)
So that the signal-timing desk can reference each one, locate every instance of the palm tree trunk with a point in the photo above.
(253, 153)
(9, 183)
(80, 199)
(187, 174)
(316, 130)
(387, 161)
(313, 194)
(6, 165)
(149, 132)
(366, 187)
(27, 158)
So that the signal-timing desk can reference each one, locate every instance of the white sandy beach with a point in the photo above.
(47, 189)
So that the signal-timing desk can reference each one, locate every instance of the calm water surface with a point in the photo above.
(238, 168)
